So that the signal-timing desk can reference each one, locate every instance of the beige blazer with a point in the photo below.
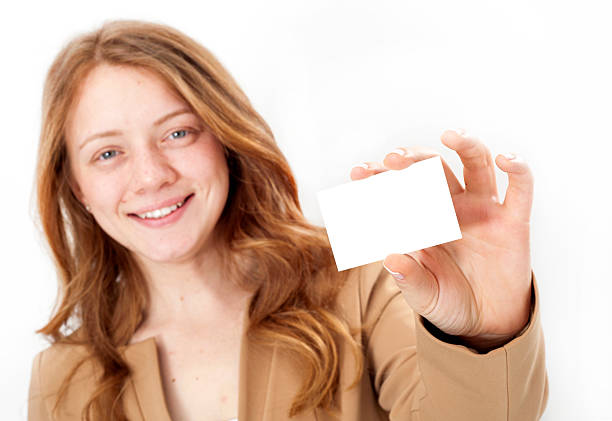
(412, 375)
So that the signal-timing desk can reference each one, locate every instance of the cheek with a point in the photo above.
(204, 162)
(104, 191)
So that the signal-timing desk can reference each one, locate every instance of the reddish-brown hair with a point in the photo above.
(285, 260)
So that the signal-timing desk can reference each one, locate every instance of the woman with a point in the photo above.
(192, 287)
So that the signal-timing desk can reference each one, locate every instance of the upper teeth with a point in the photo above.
(160, 213)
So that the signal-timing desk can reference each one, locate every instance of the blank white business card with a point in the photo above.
(397, 211)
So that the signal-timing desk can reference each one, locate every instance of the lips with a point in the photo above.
(162, 204)
(163, 222)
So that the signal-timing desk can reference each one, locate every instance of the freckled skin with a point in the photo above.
(145, 164)
(195, 331)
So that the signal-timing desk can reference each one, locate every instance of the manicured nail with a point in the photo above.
(396, 275)
(364, 165)
(401, 152)
(509, 156)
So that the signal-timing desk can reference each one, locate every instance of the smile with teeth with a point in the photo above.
(160, 213)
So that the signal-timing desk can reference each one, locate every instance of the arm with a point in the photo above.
(420, 377)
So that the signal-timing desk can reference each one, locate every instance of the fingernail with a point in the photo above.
(509, 155)
(460, 132)
(364, 165)
(396, 275)
(400, 152)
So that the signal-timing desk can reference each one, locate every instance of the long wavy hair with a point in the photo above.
(285, 260)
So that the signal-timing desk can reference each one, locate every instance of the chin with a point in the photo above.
(172, 256)
(168, 253)
(179, 252)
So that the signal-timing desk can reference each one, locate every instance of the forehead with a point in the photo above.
(111, 97)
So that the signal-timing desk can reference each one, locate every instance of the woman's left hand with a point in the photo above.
(477, 287)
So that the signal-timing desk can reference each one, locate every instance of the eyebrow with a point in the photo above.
(159, 121)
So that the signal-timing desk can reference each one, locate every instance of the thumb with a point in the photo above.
(418, 285)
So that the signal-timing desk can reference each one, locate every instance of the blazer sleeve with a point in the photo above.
(419, 376)
(36, 405)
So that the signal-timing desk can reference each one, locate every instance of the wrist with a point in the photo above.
(480, 344)
(487, 342)
(484, 344)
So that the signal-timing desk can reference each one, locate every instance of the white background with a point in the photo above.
(345, 82)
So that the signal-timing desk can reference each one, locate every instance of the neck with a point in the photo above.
(191, 291)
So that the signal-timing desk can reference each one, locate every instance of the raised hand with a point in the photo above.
(477, 287)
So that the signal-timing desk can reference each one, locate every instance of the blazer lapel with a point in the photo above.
(146, 395)
(272, 380)
(256, 362)
(269, 381)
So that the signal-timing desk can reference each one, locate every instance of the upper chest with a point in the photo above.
(199, 371)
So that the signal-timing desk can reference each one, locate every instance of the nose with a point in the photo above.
(151, 170)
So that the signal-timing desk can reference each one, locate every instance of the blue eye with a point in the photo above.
(178, 131)
(106, 155)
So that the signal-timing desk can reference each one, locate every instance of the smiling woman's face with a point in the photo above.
(156, 180)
